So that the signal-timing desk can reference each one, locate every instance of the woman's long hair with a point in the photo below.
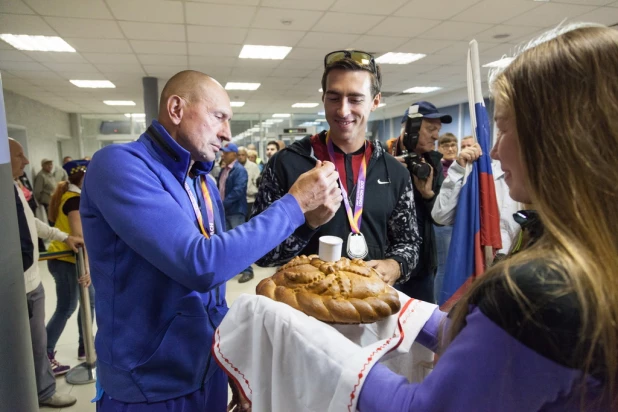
(563, 94)
(61, 189)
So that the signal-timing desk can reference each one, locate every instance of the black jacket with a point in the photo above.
(389, 221)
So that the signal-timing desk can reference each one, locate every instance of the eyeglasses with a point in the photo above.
(360, 57)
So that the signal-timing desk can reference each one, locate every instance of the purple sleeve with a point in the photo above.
(428, 337)
(484, 369)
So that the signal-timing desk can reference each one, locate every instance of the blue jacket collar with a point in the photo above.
(174, 157)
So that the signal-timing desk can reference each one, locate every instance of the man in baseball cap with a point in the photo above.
(421, 281)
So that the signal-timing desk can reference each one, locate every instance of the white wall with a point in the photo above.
(43, 125)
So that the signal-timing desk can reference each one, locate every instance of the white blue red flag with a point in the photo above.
(476, 233)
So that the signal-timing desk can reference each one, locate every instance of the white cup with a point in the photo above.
(330, 248)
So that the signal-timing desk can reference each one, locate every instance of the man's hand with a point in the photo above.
(323, 213)
(388, 269)
(469, 154)
(84, 280)
(401, 159)
(74, 242)
(425, 186)
(317, 187)
(238, 403)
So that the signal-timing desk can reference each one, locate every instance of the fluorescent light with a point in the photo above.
(135, 115)
(119, 102)
(94, 84)
(310, 124)
(424, 89)
(37, 43)
(322, 113)
(306, 105)
(276, 120)
(381, 105)
(241, 86)
(320, 120)
(264, 52)
(320, 90)
(237, 104)
(281, 115)
(505, 61)
(399, 58)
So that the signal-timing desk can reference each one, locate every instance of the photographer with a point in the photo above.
(415, 146)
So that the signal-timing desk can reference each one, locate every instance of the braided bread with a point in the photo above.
(346, 291)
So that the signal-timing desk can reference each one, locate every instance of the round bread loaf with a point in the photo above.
(346, 291)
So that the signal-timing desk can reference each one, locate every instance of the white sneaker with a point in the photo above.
(58, 400)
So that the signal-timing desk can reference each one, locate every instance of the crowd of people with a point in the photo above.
(536, 332)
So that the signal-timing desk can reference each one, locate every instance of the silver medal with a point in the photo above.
(357, 246)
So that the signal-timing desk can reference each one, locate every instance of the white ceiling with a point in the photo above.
(125, 40)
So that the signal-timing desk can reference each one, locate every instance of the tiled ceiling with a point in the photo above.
(125, 40)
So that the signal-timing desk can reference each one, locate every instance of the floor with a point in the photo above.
(67, 345)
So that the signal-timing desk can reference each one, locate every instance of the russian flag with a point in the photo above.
(476, 233)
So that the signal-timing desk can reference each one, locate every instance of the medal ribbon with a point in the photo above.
(209, 208)
(356, 218)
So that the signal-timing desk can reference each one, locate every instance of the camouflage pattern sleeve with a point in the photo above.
(402, 232)
(270, 191)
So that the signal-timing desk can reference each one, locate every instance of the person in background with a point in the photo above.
(466, 142)
(64, 212)
(272, 147)
(233, 189)
(447, 146)
(256, 159)
(66, 159)
(45, 183)
(35, 294)
(253, 173)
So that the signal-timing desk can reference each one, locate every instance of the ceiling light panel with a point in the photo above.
(264, 52)
(241, 86)
(399, 58)
(305, 105)
(422, 89)
(37, 43)
(119, 102)
(281, 115)
(94, 84)
(237, 104)
(135, 115)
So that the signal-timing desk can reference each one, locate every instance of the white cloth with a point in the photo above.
(445, 205)
(284, 360)
(37, 229)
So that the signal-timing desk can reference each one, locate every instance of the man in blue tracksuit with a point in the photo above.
(160, 256)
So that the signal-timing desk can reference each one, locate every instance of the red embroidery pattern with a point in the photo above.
(400, 321)
(234, 368)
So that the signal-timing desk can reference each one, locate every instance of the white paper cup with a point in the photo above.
(330, 248)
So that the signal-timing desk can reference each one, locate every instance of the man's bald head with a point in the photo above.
(18, 158)
(188, 84)
(195, 110)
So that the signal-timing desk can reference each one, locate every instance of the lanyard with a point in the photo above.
(207, 203)
(356, 218)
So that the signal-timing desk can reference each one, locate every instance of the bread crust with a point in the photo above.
(343, 292)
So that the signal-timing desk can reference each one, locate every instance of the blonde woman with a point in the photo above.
(539, 331)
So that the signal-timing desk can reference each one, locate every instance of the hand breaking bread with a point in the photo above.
(346, 291)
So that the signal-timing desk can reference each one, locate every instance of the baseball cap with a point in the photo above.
(45, 161)
(230, 147)
(75, 166)
(429, 111)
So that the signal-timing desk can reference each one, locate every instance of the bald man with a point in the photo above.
(160, 255)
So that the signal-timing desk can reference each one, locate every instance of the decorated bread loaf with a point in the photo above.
(346, 291)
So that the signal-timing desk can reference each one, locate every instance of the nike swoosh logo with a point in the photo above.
(383, 183)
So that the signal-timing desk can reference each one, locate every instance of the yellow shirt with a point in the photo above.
(62, 223)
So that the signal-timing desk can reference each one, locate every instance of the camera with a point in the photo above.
(410, 139)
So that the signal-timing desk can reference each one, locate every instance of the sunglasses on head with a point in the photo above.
(360, 57)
